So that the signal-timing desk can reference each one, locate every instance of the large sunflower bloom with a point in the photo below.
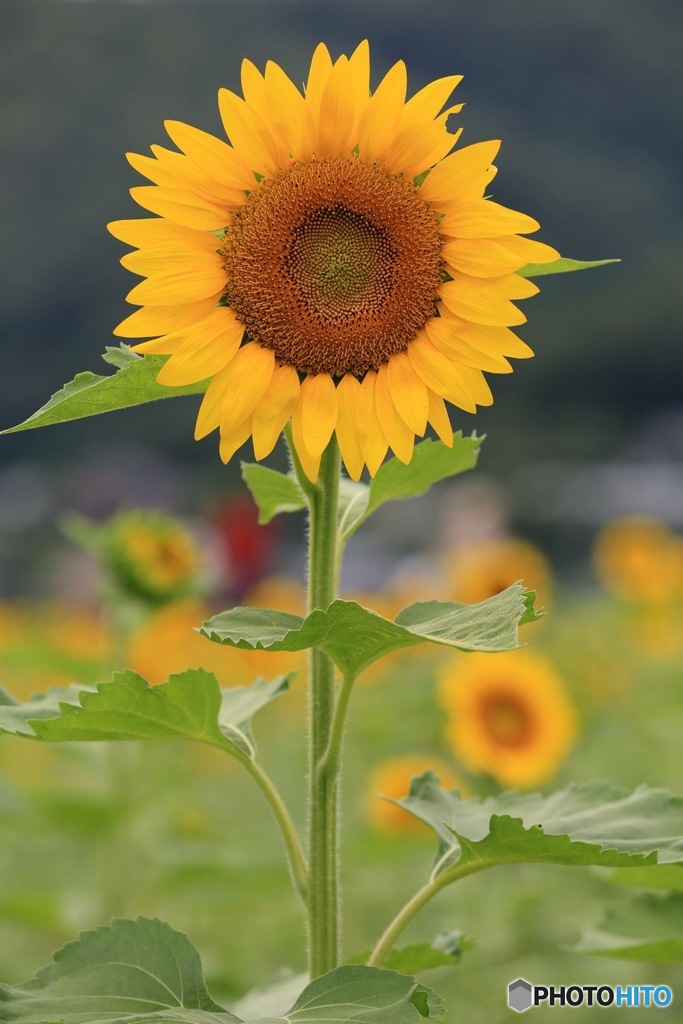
(333, 264)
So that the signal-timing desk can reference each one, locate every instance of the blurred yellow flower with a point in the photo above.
(640, 560)
(152, 556)
(483, 570)
(50, 644)
(657, 630)
(74, 630)
(391, 778)
(168, 643)
(508, 716)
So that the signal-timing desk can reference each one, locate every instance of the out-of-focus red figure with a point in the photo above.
(246, 551)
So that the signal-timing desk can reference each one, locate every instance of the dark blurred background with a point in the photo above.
(586, 97)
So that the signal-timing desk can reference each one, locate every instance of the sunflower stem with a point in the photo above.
(295, 855)
(323, 899)
(415, 905)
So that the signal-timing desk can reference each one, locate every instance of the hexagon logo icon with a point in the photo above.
(520, 995)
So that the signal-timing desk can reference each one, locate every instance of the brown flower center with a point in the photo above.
(508, 721)
(334, 264)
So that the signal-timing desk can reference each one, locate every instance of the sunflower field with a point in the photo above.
(337, 721)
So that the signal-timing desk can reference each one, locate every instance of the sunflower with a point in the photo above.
(168, 643)
(333, 264)
(485, 569)
(391, 778)
(508, 716)
(640, 560)
(151, 556)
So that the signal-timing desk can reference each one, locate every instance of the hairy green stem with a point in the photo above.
(295, 854)
(323, 787)
(415, 905)
(331, 761)
(324, 901)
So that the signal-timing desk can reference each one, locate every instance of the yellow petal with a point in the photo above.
(209, 415)
(248, 133)
(445, 335)
(274, 410)
(438, 417)
(414, 147)
(347, 435)
(515, 287)
(495, 340)
(530, 250)
(400, 437)
(453, 177)
(310, 466)
(179, 286)
(426, 104)
(182, 207)
(204, 349)
(152, 321)
(151, 169)
(359, 65)
(196, 179)
(445, 140)
(486, 219)
(441, 374)
(408, 393)
(233, 439)
(248, 375)
(254, 88)
(481, 301)
(164, 346)
(485, 257)
(212, 155)
(288, 116)
(320, 71)
(172, 257)
(337, 113)
(475, 384)
(150, 232)
(381, 117)
(319, 407)
(373, 443)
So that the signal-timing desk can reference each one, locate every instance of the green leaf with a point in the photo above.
(272, 491)
(120, 355)
(130, 968)
(89, 394)
(648, 928)
(561, 266)
(355, 637)
(16, 715)
(446, 951)
(432, 461)
(365, 995)
(143, 972)
(189, 706)
(595, 823)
